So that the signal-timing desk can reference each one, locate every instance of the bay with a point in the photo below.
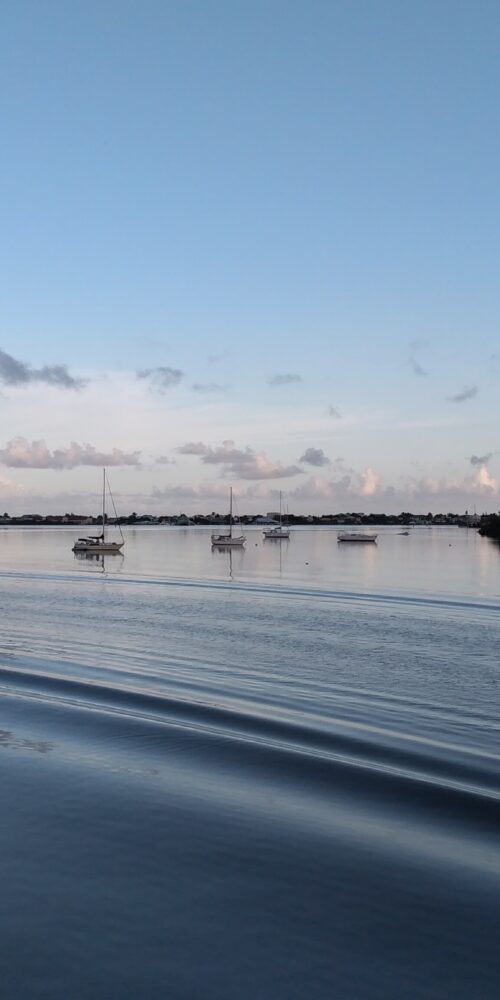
(271, 773)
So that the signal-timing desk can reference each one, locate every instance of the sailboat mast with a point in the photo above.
(230, 511)
(280, 508)
(103, 501)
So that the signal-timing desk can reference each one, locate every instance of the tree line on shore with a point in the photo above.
(490, 526)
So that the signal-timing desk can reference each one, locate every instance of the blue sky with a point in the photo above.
(235, 191)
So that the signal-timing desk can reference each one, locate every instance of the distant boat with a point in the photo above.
(97, 544)
(280, 531)
(227, 538)
(356, 536)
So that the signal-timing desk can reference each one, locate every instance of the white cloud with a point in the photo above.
(242, 463)
(484, 479)
(369, 482)
(22, 454)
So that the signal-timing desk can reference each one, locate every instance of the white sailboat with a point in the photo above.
(98, 544)
(280, 531)
(227, 538)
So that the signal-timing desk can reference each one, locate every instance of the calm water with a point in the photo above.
(268, 775)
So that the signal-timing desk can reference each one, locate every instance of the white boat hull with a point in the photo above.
(232, 541)
(277, 534)
(99, 548)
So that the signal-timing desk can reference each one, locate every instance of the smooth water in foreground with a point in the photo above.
(268, 775)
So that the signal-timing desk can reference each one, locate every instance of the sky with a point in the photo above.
(250, 244)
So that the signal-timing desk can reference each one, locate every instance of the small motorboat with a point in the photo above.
(356, 536)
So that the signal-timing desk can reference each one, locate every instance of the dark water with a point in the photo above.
(278, 782)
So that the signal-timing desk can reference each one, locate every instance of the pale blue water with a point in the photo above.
(274, 775)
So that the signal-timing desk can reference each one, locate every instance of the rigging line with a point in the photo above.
(114, 508)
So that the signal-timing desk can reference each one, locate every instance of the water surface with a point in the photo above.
(274, 775)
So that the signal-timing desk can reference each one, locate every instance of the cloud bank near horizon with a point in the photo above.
(346, 491)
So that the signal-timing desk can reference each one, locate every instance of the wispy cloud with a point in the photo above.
(332, 411)
(14, 372)
(209, 387)
(418, 344)
(468, 392)
(416, 367)
(243, 463)
(162, 378)
(22, 454)
(480, 459)
(284, 379)
(214, 358)
(314, 456)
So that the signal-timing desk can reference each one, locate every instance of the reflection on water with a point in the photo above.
(228, 556)
(12, 742)
(99, 559)
(442, 560)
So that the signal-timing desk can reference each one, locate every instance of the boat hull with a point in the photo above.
(228, 541)
(356, 538)
(277, 535)
(106, 548)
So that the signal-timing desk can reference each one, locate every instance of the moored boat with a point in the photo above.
(280, 530)
(356, 536)
(227, 538)
(98, 544)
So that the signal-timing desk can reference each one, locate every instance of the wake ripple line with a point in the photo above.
(452, 604)
(128, 704)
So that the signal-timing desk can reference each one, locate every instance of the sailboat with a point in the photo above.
(280, 531)
(98, 544)
(227, 538)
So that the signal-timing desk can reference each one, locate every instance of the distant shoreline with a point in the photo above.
(405, 519)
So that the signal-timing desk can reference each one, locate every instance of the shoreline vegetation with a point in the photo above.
(490, 526)
(487, 524)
